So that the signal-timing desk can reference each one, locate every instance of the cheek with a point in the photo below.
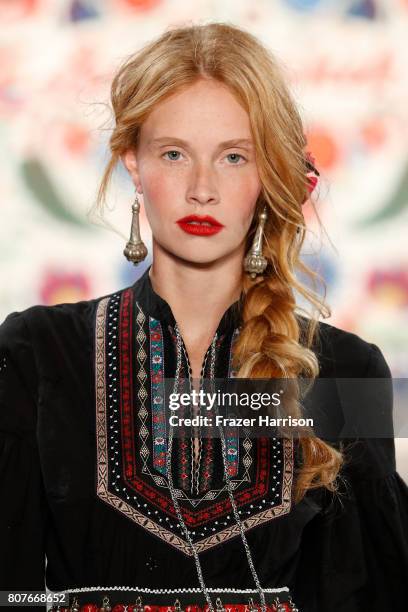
(242, 205)
(158, 195)
(244, 189)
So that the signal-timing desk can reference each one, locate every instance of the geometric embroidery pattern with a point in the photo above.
(129, 372)
(158, 395)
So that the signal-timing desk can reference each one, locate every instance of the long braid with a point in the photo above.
(268, 346)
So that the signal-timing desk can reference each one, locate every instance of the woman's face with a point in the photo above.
(184, 166)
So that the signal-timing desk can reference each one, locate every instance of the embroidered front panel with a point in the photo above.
(132, 441)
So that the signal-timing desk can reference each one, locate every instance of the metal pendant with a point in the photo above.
(106, 607)
(255, 263)
(251, 606)
(138, 607)
(135, 250)
(278, 605)
(75, 607)
(292, 606)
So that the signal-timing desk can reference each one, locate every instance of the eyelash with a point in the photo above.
(174, 160)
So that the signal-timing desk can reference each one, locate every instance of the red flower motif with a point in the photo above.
(311, 175)
(312, 182)
(310, 158)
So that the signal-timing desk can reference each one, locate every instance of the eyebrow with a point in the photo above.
(222, 145)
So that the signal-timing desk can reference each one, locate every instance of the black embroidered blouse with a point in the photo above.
(84, 499)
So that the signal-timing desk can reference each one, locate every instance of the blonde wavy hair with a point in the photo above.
(274, 341)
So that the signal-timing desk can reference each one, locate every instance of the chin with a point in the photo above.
(199, 261)
(203, 253)
(199, 258)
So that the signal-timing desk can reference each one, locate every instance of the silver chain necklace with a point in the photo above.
(229, 486)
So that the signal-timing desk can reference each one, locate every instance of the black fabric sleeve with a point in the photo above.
(354, 553)
(381, 498)
(22, 505)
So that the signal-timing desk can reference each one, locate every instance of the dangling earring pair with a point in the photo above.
(254, 263)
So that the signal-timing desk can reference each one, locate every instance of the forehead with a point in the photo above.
(202, 108)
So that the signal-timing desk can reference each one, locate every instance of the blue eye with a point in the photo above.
(173, 157)
(167, 152)
(236, 155)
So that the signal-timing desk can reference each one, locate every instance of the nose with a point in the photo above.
(202, 188)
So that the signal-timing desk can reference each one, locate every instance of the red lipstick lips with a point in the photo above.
(200, 225)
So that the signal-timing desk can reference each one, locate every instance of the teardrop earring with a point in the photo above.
(255, 263)
(135, 250)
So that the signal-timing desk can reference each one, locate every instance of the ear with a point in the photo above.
(129, 161)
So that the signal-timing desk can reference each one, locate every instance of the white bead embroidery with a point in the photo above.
(173, 591)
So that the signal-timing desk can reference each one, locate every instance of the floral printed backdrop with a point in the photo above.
(346, 62)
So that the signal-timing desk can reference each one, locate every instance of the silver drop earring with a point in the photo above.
(255, 263)
(135, 250)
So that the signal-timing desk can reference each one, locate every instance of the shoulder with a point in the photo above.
(22, 322)
(366, 410)
(343, 353)
(42, 328)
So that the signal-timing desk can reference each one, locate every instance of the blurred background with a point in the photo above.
(346, 64)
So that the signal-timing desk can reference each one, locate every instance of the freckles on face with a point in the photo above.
(196, 156)
(165, 200)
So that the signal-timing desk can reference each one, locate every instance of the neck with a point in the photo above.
(198, 294)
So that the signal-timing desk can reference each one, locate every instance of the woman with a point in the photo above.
(93, 475)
